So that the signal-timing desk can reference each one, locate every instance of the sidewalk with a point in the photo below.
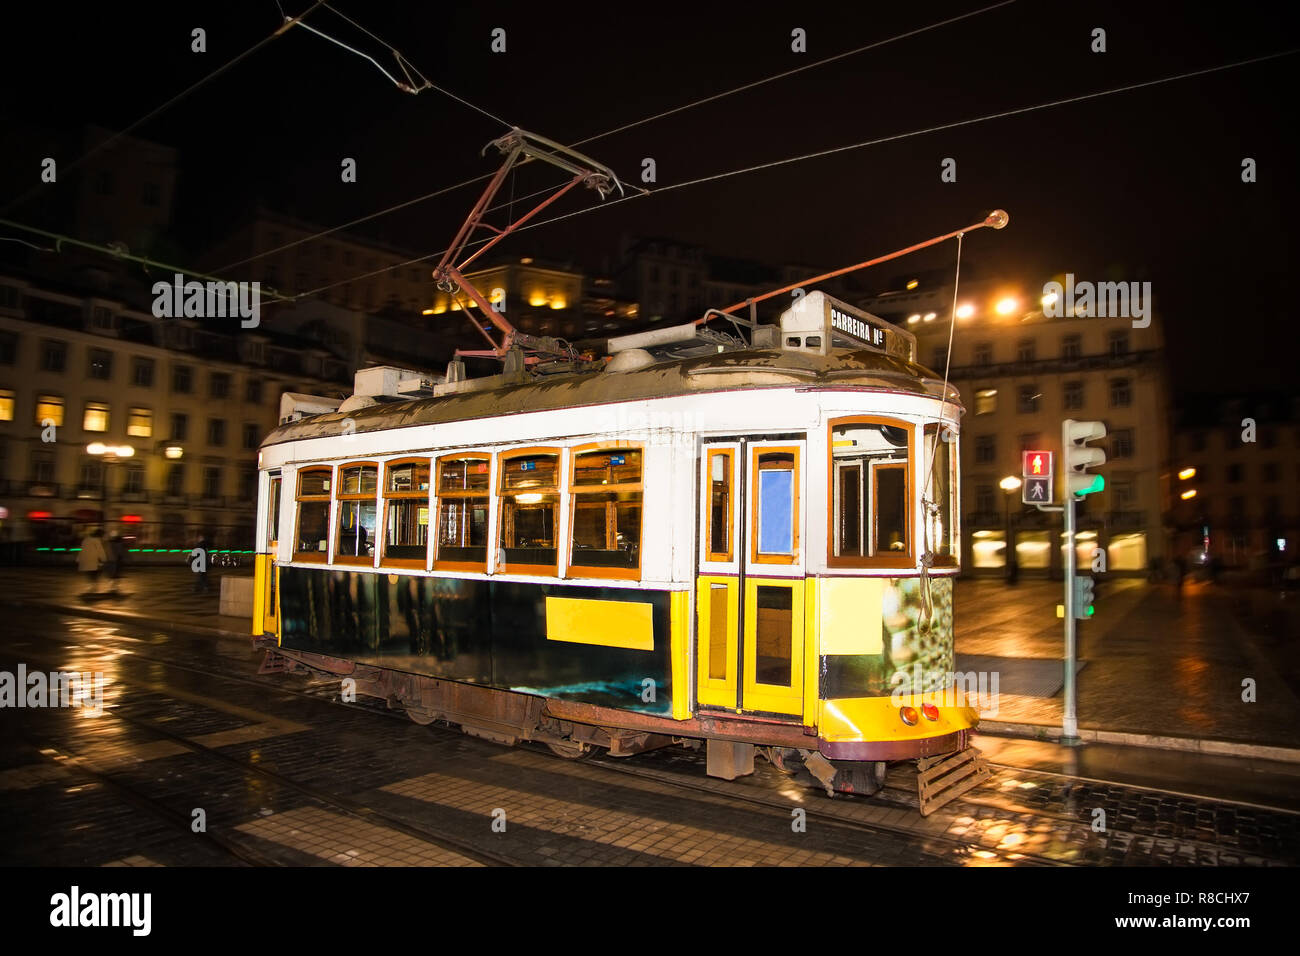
(162, 596)
(1158, 670)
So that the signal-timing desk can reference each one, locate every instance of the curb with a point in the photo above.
(130, 617)
(1219, 748)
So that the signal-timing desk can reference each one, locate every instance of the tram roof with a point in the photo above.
(725, 371)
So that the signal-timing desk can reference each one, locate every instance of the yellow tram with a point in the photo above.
(749, 544)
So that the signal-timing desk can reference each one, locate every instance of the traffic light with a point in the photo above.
(1079, 457)
(1083, 597)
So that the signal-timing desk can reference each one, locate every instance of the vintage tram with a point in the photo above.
(744, 545)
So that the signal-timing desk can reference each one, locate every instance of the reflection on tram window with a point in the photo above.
(777, 506)
(870, 489)
(939, 499)
(311, 535)
(719, 547)
(774, 643)
(462, 513)
(530, 505)
(359, 480)
(607, 511)
(406, 524)
(356, 536)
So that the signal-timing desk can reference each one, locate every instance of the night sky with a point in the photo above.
(1142, 185)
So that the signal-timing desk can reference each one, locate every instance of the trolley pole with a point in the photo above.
(1070, 722)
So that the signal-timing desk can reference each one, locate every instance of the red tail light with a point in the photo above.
(909, 715)
(931, 712)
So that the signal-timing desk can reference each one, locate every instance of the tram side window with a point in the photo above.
(463, 492)
(719, 469)
(776, 480)
(311, 534)
(357, 509)
(607, 489)
(406, 518)
(869, 484)
(530, 511)
(940, 496)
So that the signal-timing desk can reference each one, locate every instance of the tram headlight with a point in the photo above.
(909, 715)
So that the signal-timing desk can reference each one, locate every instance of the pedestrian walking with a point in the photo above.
(1180, 571)
(116, 558)
(92, 558)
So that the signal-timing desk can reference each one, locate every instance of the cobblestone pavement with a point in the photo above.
(279, 772)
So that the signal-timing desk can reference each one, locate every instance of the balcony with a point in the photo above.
(43, 489)
(1053, 365)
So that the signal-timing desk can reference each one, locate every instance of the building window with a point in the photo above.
(939, 357)
(1122, 495)
(1235, 473)
(142, 372)
(606, 525)
(253, 391)
(102, 318)
(9, 298)
(1118, 344)
(216, 432)
(1122, 443)
(176, 480)
(1031, 441)
(1270, 471)
(870, 490)
(984, 353)
(463, 489)
(182, 379)
(95, 417)
(1071, 347)
(211, 482)
(985, 449)
(49, 410)
(92, 474)
(311, 534)
(1197, 442)
(252, 435)
(8, 346)
(1027, 399)
(1026, 350)
(219, 385)
(985, 499)
(150, 195)
(406, 518)
(530, 512)
(357, 509)
(248, 486)
(43, 468)
(986, 401)
(6, 405)
(99, 364)
(1268, 437)
(54, 356)
(139, 422)
(134, 483)
(1121, 395)
(180, 426)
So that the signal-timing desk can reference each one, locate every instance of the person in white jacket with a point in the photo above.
(92, 556)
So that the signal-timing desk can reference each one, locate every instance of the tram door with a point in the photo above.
(750, 620)
(266, 570)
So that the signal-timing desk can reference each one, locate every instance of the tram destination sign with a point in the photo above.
(863, 331)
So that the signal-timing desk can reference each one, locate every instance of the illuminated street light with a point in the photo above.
(173, 452)
(1186, 473)
(1007, 306)
(913, 284)
(914, 318)
(929, 316)
(965, 310)
(1048, 299)
(1188, 494)
(1009, 485)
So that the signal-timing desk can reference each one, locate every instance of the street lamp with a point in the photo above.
(109, 454)
(1010, 485)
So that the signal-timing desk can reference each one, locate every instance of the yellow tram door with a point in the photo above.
(751, 585)
(267, 610)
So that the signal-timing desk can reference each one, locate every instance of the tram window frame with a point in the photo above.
(507, 502)
(343, 498)
(756, 454)
(577, 492)
(391, 497)
(949, 449)
(727, 456)
(441, 496)
(868, 506)
(320, 556)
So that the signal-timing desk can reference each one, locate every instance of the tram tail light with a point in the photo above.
(909, 715)
(931, 712)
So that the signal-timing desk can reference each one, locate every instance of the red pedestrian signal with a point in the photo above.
(1037, 464)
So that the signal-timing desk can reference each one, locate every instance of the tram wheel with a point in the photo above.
(571, 751)
(785, 760)
(421, 717)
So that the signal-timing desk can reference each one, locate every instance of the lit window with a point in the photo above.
(939, 499)
(6, 405)
(720, 471)
(95, 417)
(312, 531)
(606, 488)
(870, 511)
(406, 521)
(357, 509)
(463, 489)
(140, 423)
(530, 511)
(986, 401)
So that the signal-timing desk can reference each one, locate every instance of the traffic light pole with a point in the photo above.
(1070, 722)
